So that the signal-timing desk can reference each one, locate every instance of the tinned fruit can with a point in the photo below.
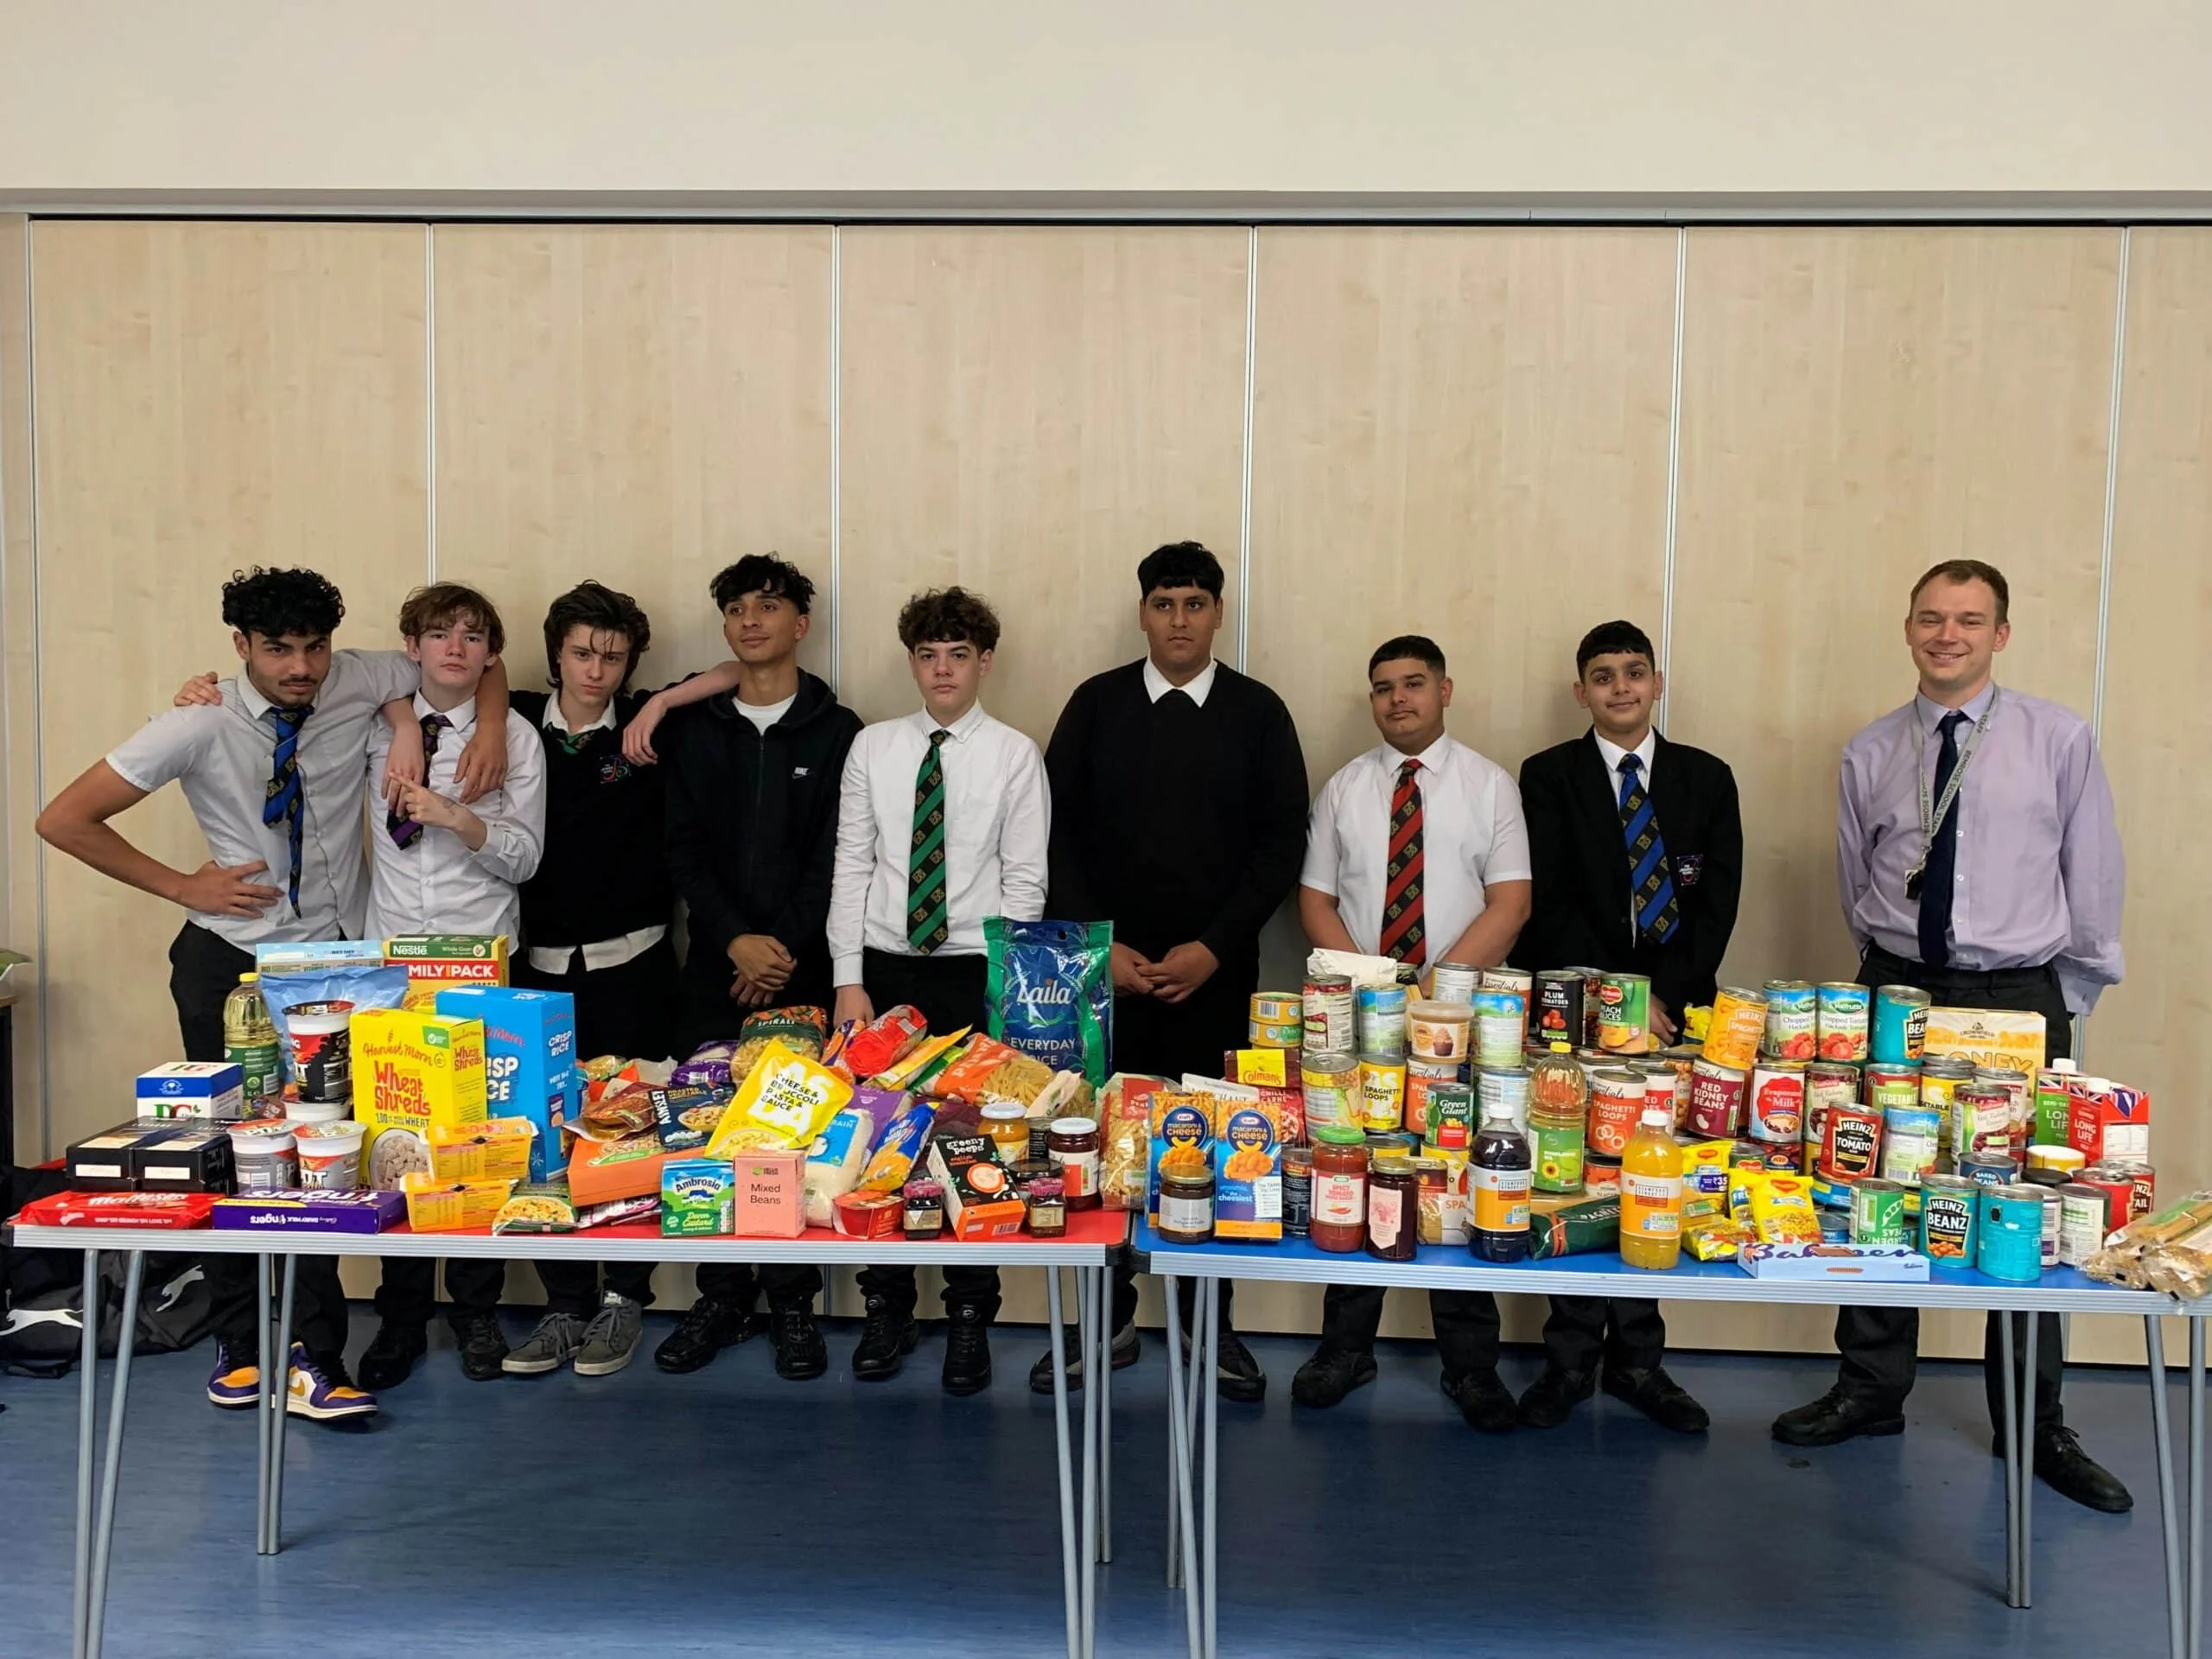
(1878, 1213)
(1328, 1010)
(1842, 1012)
(1625, 1012)
(1792, 1020)
(1777, 1102)
(1716, 1107)
(1330, 1082)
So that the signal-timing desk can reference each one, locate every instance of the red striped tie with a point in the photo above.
(1403, 937)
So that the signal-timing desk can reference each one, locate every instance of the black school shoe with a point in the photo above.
(885, 1340)
(1124, 1351)
(1551, 1399)
(483, 1347)
(967, 1351)
(1332, 1373)
(391, 1355)
(707, 1328)
(2062, 1465)
(1659, 1397)
(801, 1355)
(1836, 1417)
(1236, 1373)
(1483, 1400)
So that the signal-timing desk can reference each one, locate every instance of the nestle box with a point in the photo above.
(107, 1162)
(184, 1157)
(260, 1210)
(980, 1200)
(208, 1088)
(530, 1060)
(434, 961)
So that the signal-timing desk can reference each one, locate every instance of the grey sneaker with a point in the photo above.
(611, 1337)
(551, 1347)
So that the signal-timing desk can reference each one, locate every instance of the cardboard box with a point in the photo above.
(1862, 1263)
(260, 1210)
(529, 1059)
(768, 1202)
(698, 1198)
(184, 1157)
(412, 1071)
(602, 1171)
(497, 1149)
(207, 1088)
(436, 1206)
(434, 961)
(317, 956)
(980, 1201)
(686, 1118)
(1248, 1172)
(2108, 1122)
(107, 1162)
(2003, 1039)
(1182, 1128)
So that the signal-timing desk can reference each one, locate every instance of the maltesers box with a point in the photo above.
(208, 1088)
(529, 1059)
(980, 1200)
(262, 1210)
(2106, 1122)
(434, 961)
(768, 1199)
(1860, 1263)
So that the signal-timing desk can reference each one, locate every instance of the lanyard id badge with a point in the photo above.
(1934, 812)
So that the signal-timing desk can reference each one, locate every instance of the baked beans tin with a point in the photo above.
(1738, 1027)
(1851, 1143)
(1843, 1016)
(1625, 1012)
(1454, 981)
(1792, 1019)
(1616, 1104)
(1912, 1144)
(1949, 1205)
(1716, 1107)
(2002, 1174)
(1878, 1213)
(1556, 1020)
(1776, 1105)
(2084, 1221)
(1328, 1007)
(1900, 1024)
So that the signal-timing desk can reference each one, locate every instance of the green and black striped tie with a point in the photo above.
(926, 920)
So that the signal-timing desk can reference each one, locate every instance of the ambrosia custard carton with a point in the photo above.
(434, 960)
(412, 1071)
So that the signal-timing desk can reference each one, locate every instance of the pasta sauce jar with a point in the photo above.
(1075, 1150)
(1340, 1223)
(1186, 1208)
(1393, 1209)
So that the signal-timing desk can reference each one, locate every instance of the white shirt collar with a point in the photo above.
(1158, 685)
(555, 721)
(462, 719)
(1613, 751)
(961, 730)
(1931, 712)
(1433, 758)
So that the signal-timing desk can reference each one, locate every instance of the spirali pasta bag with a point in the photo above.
(1051, 992)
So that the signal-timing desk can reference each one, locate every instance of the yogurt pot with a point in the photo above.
(330, 1154)
(316, 1111)
(263, 1154)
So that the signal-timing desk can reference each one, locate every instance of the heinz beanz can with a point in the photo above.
(1949, 1208)
(1900, 1024)
(1625, 1012)
(1556, 1018)
(2010, 1244)
(1328, 1027)
(1878, 1213)
(1792, 1019)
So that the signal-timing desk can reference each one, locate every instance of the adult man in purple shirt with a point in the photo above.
(1979, 861)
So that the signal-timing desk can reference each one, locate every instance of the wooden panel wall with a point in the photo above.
(1028, 413)
(209, 396)
(641, 405)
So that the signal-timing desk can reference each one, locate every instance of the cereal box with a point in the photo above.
(1247, 1171)
(412, 1071)
(1182, 1137)
(529, 1059)
(436, 960)
(698, 1198)
(2003, 1039)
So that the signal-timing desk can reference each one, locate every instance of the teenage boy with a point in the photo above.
(1188, 890)
(440, 866)
(752, 828)
(1980, 860)
(595, 920)
(1639, 856)
(273, 773)
(945, 818)
(1370, 886)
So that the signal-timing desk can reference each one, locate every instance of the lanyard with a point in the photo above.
(1933, 812)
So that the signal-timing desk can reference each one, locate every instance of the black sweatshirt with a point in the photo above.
(1173, 821)
(604, 871)
(753, 823)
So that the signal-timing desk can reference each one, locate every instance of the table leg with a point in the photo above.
(1209, 1328)
(104, 1533)
(2155, 1340)
(88, 1368)
(2194, 1613)
(1067, 1472)
(1089, 1318)
(2027, 1457)
(281, 1415)
(1106, 1416)
(264, 1264)
(1182, 1556)
(2012, 1474)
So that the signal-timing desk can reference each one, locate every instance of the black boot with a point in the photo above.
(967, 1351)
(801, 1355)
(392, 1353)
(885, 1340)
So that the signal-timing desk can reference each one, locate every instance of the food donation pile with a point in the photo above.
(367, 1084)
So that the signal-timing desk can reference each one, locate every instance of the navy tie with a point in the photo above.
(405, 831)
(284, 799)
(1942, 861)
(1651, 886)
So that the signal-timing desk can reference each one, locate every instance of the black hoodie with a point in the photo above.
(753, 825)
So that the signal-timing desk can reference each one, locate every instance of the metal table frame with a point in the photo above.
(1194, 1442)
(1098, 1241)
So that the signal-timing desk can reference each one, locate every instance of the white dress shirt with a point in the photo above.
(1472, 835)
(1158, 685)
(438, 886)
(224, 758)
(998, 822)
(556, 959)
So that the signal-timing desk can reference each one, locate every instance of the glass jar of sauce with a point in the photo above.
(924, 1215)
(1339, 1221)
(1186, 1208)
(1074, 1144)
(1392, 1209)
(1048, 1210)
(1008, 1126)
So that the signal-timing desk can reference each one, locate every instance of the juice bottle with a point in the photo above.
(250, 1042)
(1498, 1177)
(1559, 1101)
(1651, 1195)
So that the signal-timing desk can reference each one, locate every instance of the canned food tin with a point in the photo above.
(1455, 982)
(1843, 1019)
(1601, 1177)
(1616, 1104)
(1503, 1089)
(1515, 980)
(1851, 1143)
(2020, 1089)
(1900, 1024)
(1775, 1105)
(2010, 1242)
(1379, 1013)
(1423, 1077)
(1827, 1084)
(1950, 1207)
(1716, 1107)
(2084, 1215)
(1981, 1124)
(1556, 1018)
(1330, 1083)
(1912, 1144)
(1328, 1005)
(2004, 1174)
(1449, 1122)
(1891, 1086)
(1277, 1020)
(1297, 1191)
(1738, 1027)
(1498, 1024)
(1792, 1019)
(1439, 1031)
(2054, 1219)
(2135, 1187)
(1594, 980)
(2064, 1161)
(1878, 1213)
(1624, 1013)
(1939, 1080)
(1382, 1093)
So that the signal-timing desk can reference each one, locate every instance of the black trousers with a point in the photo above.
(1880, 1346)
(1465, 1321)
(203, 969)
(1627, 1334)
(951, 993)
(627, 1010)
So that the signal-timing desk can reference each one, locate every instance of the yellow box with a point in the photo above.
(497, 1149)
(2002, 1038)
(412, 1072)
(436, 1206)
(434, 960)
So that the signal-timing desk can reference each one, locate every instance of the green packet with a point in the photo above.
(1575, 1228)
(538, 1207)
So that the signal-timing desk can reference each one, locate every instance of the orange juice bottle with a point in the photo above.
(1651, 1195)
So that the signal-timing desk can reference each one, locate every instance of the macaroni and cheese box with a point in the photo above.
(1247, 1171)
(434, 961)
(698, 1198)
(412, 1071)
(767, 1200)
(1182, 1138)
(209, 1089)
(530, 1060)
(2002, 1037)
(980, 1200)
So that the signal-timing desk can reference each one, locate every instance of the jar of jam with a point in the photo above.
(1432, 1178)
(1186, 1208)
(1339, 1188)
(1393, 1209)
(1008, 1126)
(1074, 1145)
(1048, 1210)
(1297, 1191)
(924, 1215)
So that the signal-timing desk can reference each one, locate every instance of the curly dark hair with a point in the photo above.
(275, 603)
(947, 616)
(448, 604)
(763, 572)
(599, 608)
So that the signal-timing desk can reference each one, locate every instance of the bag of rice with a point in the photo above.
(1051, 992)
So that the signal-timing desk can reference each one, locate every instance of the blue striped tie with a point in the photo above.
(285, 799)
(1650, 883)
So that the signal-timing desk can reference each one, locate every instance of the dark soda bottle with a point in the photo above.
(1500, 1175)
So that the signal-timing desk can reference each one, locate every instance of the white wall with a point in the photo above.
(1482, 97)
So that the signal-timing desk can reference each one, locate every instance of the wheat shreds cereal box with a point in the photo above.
(412, 1071)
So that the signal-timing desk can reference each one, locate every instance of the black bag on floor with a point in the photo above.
(43, 1332)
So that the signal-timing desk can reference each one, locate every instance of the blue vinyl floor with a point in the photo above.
(729, 1513)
